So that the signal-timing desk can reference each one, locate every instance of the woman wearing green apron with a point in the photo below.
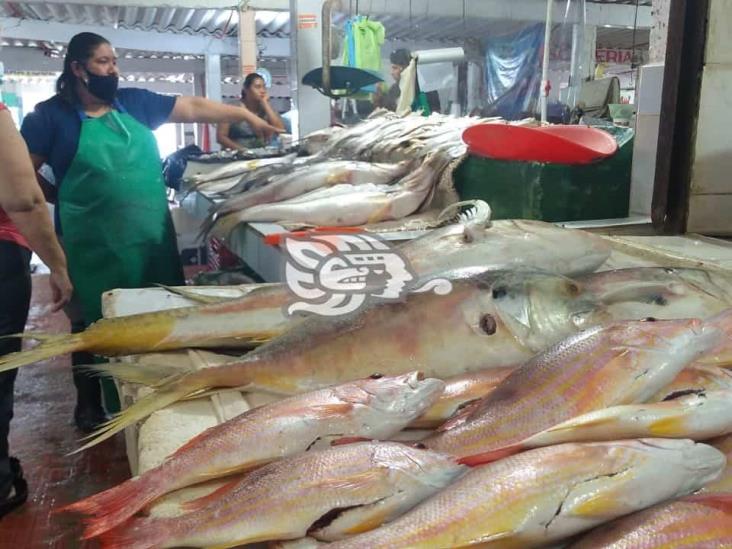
(112, 210)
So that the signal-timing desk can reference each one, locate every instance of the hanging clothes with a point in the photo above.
(362, 47)
(362, 43)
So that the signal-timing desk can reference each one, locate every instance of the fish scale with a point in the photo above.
(258, 316)
(622, 363)
(693, 523)
(371, 408)
(546, 495)
(285, 499)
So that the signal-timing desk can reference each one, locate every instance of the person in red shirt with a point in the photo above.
(25, 225)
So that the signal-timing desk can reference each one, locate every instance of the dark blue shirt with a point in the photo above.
(52, 130)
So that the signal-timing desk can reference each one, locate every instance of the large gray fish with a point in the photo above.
(359, 205)
(308, 178)
(258, 316)
(233, 174)
(488, 320)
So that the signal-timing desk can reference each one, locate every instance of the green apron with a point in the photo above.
(116, 226)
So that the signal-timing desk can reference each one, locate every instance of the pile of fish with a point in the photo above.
(567, 441)
(524, 408)
(386, 137)
(383, 169)
(472, 243)
(333, 194)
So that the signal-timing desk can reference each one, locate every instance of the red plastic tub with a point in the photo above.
(573, 145)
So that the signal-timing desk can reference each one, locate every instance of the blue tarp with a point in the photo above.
(513, 73)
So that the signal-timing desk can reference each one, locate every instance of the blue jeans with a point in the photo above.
(15, 293)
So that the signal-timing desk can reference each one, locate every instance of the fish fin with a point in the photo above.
(115, 506)
(198, 298)
(49, 347)
(40, 336)
(174, 389)
(351, 522)
(349, 440)
(357, 481)
(138, 533)
(723, 502)
(152, 375)
(487, 540)
(379, 215)
(199, 503)
(574, 423)
(490, 457)
(239, 543)
(606, 502)
(459, 417)
(669, 427)
(328, 411)
(223, 225)
(599, 506)
(374, 517)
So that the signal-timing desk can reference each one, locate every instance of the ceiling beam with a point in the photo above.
(26, 29)
(50, 31)
(28, 59)
(616, 15)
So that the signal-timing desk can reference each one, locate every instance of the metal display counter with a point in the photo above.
(247, 240)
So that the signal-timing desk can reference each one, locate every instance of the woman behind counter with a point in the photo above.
(112, 209)
(241, 135)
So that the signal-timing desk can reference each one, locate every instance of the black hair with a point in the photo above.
(249, 81)
(81, 49)
(401, 57)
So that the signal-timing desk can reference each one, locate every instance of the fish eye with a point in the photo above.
(499, 292)
(420, 446)
(659, 300)
(376, 376)
(488, 324)
(467, 237)
(573, 289)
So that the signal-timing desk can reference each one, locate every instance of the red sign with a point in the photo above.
(614, 56)
(307, 21)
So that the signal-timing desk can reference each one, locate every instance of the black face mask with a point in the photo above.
(102, 87)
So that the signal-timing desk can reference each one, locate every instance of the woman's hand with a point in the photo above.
(264, 128)
(61, 289)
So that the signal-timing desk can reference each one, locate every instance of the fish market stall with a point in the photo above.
(394, 185)
(500, 322)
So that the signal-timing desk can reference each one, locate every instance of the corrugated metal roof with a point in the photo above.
(218, 22)
(212, 22)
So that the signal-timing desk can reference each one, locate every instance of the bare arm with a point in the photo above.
(272, 116)
(23, 201)
(199, 109)
(222, 136)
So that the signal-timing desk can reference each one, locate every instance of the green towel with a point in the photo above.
(368, 37)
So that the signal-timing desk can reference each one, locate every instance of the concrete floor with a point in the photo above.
(41, 434)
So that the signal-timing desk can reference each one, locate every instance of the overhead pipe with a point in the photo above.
(544, 97)
(326, 43)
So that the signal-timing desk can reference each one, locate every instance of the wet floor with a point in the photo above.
(42, 433)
